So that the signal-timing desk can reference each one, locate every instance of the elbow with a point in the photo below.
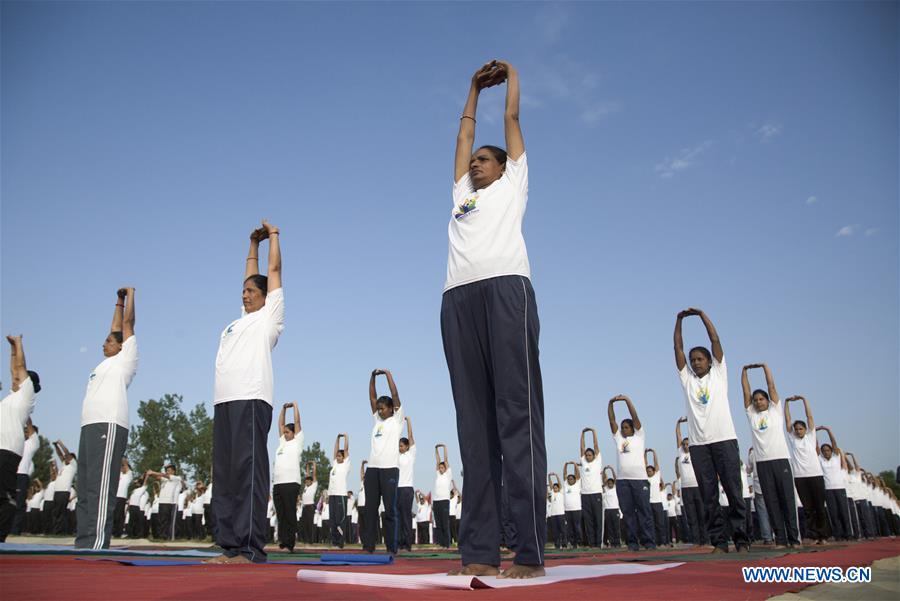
(512, 116)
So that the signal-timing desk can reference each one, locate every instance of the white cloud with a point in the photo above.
(596, 113)
(551, 20)
(871, 231)
(847, 230)
(812, 200)
(769, 130)
(684, 159)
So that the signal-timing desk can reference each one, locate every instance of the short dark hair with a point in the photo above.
(308, 478)
(498, 153)
(35, 381)
(290, 426)
(442, 463)
(172, 465)
(589, 449)
(384, 400)
(825, 444)
(117, 334)
(73, 455)
(405, 441)
(799, 421)
(701, 349)
(35, 428)
(760, 391)
(628, 421)
(260, 281)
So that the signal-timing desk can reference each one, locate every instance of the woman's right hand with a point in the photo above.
(490, 74)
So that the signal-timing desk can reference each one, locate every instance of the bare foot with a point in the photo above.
(475, 569)
(522, 571)
(237, 559)
(217, 559)
(718, 550)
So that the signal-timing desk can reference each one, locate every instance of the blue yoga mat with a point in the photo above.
(326, 559)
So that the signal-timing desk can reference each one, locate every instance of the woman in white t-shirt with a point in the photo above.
(771, 457)
(591, 489)
(611, 515)
(632, 487)
(286, 477)
(557, 512)
(405, 491)
(714, 448)
(657, 506)
(423, 518)
(490, 331)
(336, 509)
(443, 484)
(383, 472)
(834, 468)
(243, 395)
(694, 511)
(572, 498)
(808, 477)
(858, 510)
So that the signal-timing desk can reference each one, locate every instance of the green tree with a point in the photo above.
(166, 434)
(890, 480)
(315, 453)
(42, 459)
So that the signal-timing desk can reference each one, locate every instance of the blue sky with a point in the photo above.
(739, 157)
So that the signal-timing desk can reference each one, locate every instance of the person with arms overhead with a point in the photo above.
(713, 442)
(15, 409)
(242, 403)
(592, 490)
(286, 477)
(336, 507)
(405, 491)
(490, 330)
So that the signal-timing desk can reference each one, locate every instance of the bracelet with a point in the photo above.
(275, 233)
(119, 305)
(252, 258)
(468, 117)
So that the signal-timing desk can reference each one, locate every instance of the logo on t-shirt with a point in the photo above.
(379, 431)
(625, 447)
(228, 330)
(703, 396)
(92, 376)
(469, 205)
(763, 423)
(686, 460)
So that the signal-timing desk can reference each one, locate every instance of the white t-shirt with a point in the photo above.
(50, 490)
(170, 488)
(197, 506)
(671, 507)
(407, 462)
(591, 475)
(326, 511)
(656, 495)
(138, 496)
(630, 453)
(14, 411)
(26, 465)
(106, 400)
(745, 483)
(485, 228)
(572, 495)
(423, 512)
(804, 460)
(124, 482)
(309, 494)
(768, 432)
(757, 487)
(361, 495)
(610, 497)
(442, 485)
(287, 460)
(686, 467)
(709, 416)
(453, 503)
(337, 481)
(244, 360)
(557, 504)
(835, 476)
(385, 451)
(459, 510)
(853, 485)
(66, 477)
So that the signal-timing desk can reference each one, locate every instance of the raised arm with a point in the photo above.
(346, 445)
(437, 455)
(61, 450)
(678, 437)
(373, 392)
(611, 470)
(655, 459)
(611, 413)
(297, 426)
(677, 469)
(632, 411)
(515, 144)
(770, 384)
(395, 396)
(252, 265)
(831, 437)
(745, 384)
(680, 360)
(409, 432)
(17, 370)
(788, 422)
(581, 444)
(126, 296)
(488, 75)
(337, 445)
(281, 419)
(714, 341)
(362, 469)
(274, 266)
(810, 424)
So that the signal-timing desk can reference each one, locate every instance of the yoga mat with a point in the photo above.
(19, 548)
(327, 559)
(443, 581)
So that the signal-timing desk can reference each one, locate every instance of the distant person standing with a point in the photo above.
(125, 477)
(286, 477)
(242, 401)
(336, 502)
(383, 474)
(592, 489)
(15, 409)
(104, 428)
(713, 442)
(63, 489)
(405, 491)
(23, 474)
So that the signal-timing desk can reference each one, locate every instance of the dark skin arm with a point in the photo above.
(409, 432)
(655, 460)
(17, 368)
(126, 297)
(678, 436)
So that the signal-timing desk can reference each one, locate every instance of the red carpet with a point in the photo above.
(40, 578)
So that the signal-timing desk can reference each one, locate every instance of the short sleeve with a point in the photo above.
(274, 308)
(128, 359)
(26, 397)
(517, 174)
(719, 366)
(461, 189)
(685, 374)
